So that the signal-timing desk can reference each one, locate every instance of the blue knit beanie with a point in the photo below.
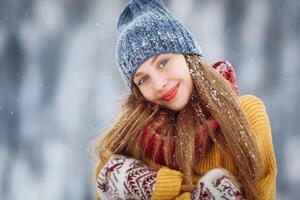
(146, 28)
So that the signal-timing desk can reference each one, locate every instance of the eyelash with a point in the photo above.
(165, 61)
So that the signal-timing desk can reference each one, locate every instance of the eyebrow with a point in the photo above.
(151, 63)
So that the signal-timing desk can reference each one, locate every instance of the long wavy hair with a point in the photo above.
(212, 96)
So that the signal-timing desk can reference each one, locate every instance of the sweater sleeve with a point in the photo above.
(256, 115)
(184, 196)
(168, 184)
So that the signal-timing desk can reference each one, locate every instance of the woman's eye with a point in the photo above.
(142, 80)
(163, 62)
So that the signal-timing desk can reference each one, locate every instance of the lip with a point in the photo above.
(171, 93)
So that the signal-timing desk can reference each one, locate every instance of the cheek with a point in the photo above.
(147, 95)
(175, 73)
(182, 74)
(179, 70)
(186, 74)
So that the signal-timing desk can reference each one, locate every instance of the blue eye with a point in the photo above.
(164, 62)
(142, 80)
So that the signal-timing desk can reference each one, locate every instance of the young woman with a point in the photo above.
(183, 132)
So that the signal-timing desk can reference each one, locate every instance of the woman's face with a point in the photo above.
(165, 80)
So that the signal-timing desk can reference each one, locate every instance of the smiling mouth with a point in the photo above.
(171, 93)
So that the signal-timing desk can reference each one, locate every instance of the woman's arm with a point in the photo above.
(256, 114)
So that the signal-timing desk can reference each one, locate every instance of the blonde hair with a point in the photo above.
(212, 96)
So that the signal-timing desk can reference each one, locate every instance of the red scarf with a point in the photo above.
(152, 133)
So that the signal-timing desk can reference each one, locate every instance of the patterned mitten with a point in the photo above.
(125, 178)
(218, 183)
(227, 71)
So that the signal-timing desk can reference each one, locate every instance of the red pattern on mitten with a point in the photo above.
(227, 71)
(218, 183)
(125, 178)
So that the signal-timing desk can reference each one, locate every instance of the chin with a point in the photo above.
(178, 108)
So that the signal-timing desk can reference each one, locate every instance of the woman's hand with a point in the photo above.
(125, 178)
(218, 183)
(227, 71)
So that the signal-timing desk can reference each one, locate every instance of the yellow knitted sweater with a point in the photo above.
(168, 182)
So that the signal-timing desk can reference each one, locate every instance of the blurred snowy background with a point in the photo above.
(60, 87)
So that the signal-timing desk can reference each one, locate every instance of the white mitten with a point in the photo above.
(218, 183)
(125, 178)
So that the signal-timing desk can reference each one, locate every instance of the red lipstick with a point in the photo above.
(170, 94)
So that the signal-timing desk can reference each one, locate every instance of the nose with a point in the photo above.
(160, 84)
